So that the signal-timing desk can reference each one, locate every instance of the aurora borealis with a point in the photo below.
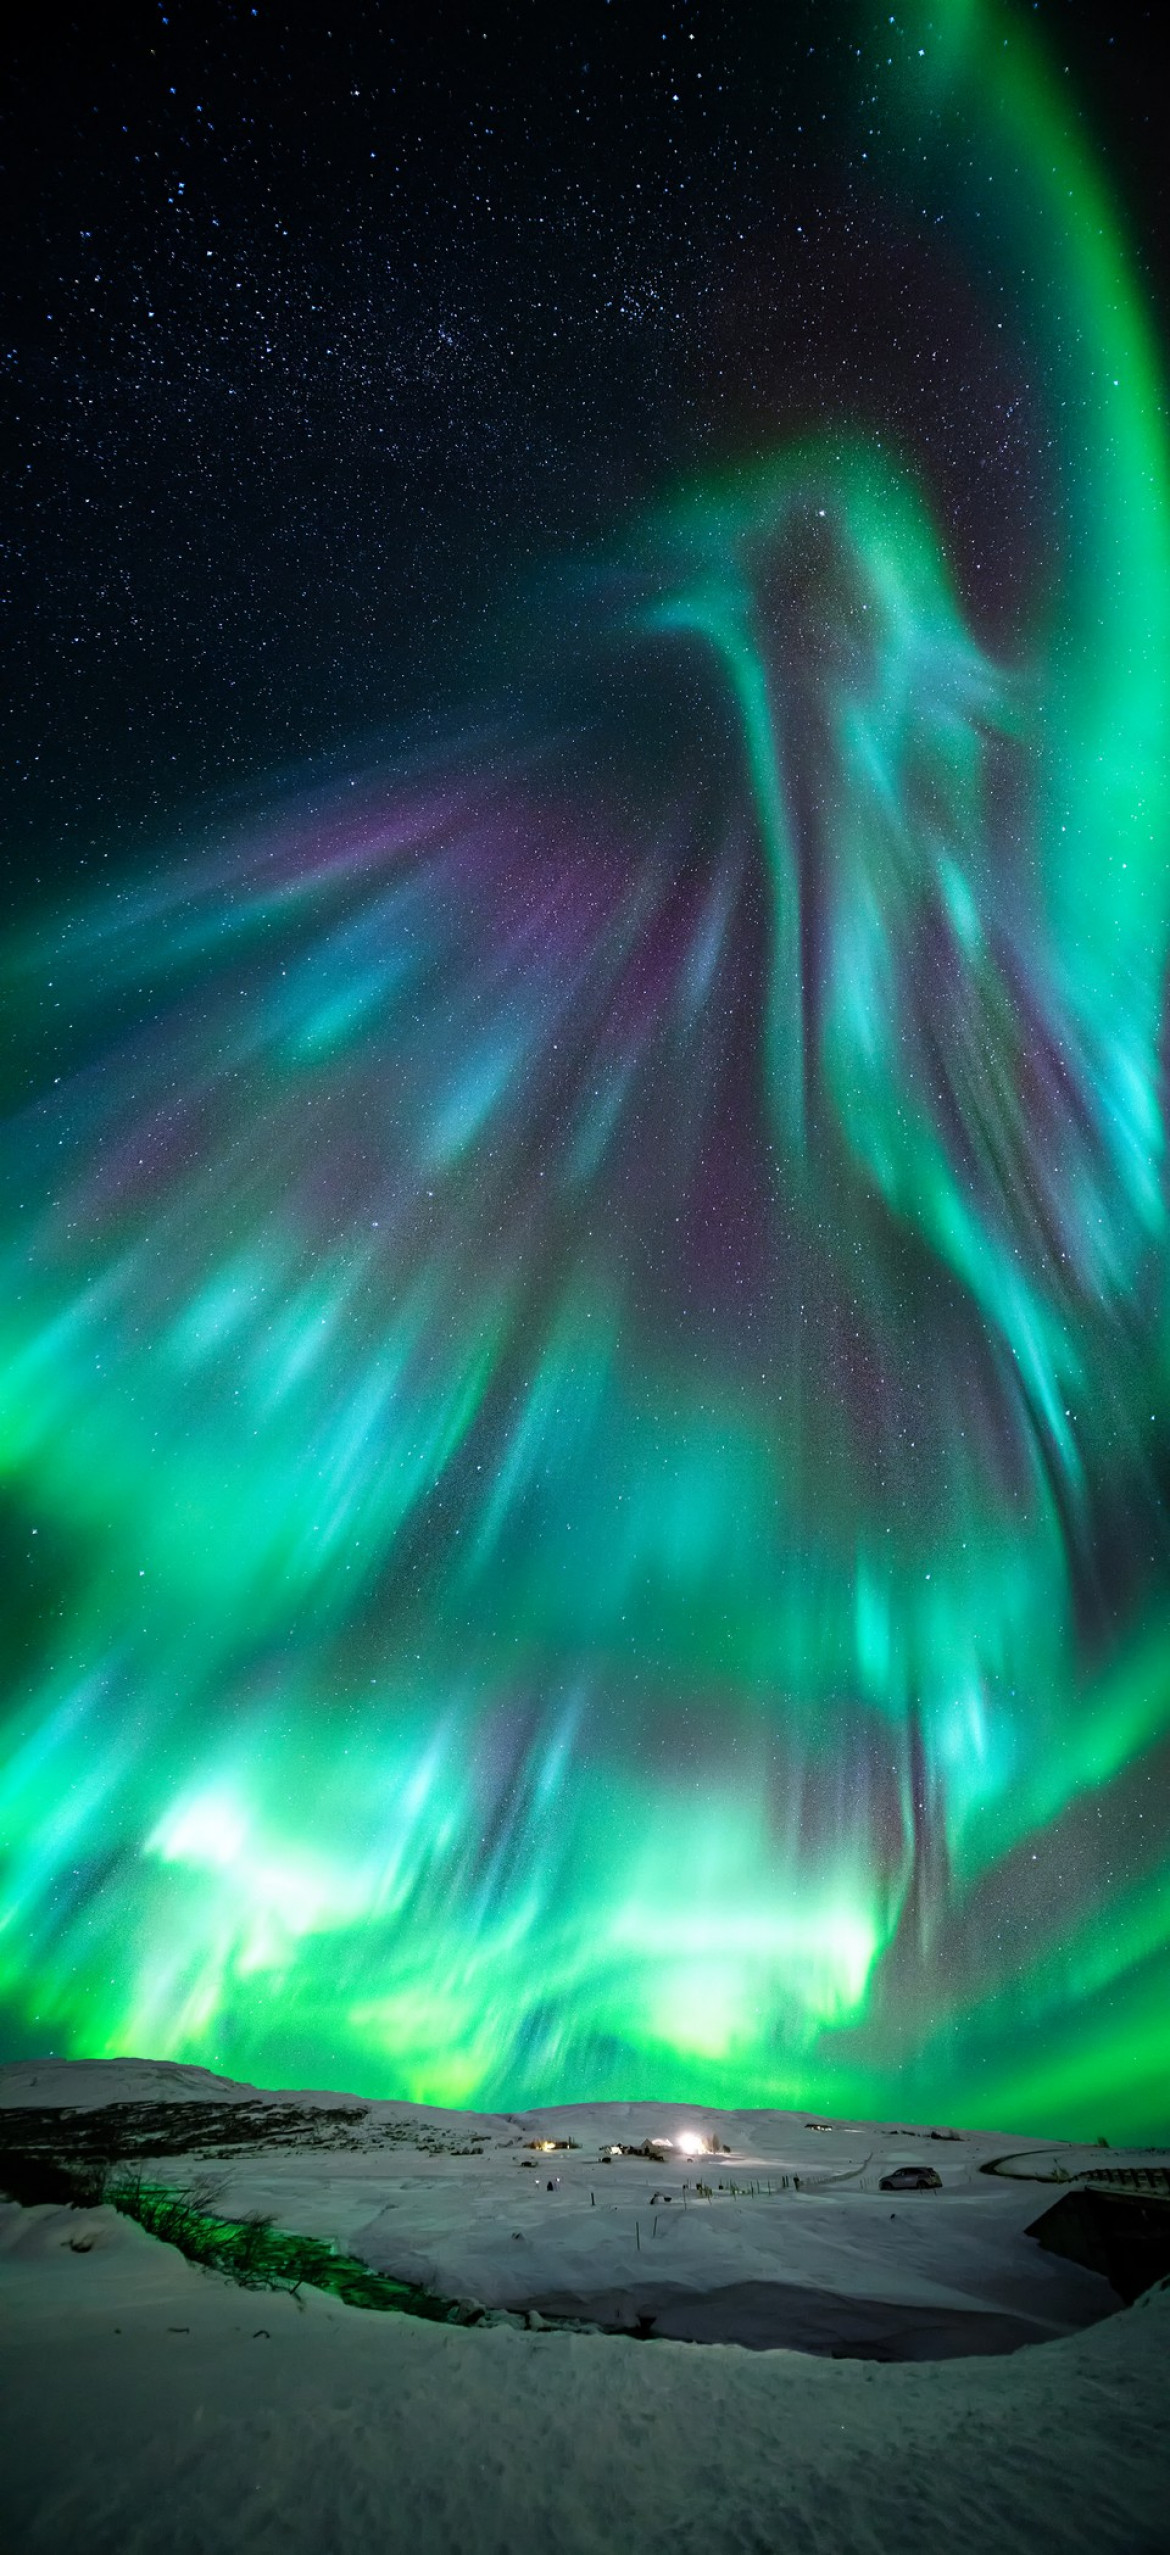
(584, 1405)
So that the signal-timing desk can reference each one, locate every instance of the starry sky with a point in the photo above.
(584, 1413)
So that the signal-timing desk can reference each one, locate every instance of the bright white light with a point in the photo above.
(209, 1832)
(692, 2142)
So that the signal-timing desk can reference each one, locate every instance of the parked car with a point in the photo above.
(911, 2178)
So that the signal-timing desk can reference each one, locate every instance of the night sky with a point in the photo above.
(584, 1358)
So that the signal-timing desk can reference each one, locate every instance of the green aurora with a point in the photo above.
(583, 1349)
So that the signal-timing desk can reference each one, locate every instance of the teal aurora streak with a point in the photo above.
(584, 1328)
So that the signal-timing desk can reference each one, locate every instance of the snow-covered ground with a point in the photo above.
(145, 2404)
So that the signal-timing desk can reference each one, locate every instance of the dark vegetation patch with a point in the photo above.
(115, 2132)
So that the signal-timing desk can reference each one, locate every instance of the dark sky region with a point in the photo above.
(322, 329)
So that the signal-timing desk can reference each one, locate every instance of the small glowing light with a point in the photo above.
(691, 2142)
